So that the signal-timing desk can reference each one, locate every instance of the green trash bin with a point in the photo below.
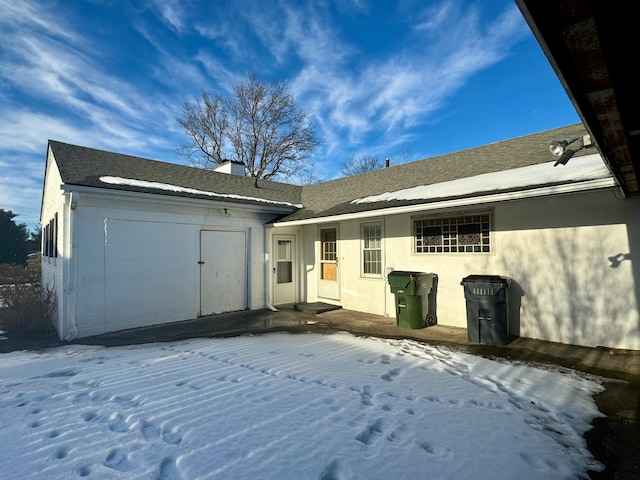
(415, 298)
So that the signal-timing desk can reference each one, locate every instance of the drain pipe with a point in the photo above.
(267, 271)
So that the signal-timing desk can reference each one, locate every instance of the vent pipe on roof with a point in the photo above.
(231, 167)
(387, 162)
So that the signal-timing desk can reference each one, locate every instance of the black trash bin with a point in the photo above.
(487, 299)
(415, 298)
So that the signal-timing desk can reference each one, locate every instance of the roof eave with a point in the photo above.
(163, 197)
(541, 191)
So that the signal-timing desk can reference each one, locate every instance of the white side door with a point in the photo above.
(284, 269)
(223, 271)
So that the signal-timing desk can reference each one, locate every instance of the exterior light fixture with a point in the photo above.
(560, 148)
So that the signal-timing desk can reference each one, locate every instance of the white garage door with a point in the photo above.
(150, 273)
(223, 271)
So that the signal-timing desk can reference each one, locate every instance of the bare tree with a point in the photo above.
(259, 125)
(361, 164)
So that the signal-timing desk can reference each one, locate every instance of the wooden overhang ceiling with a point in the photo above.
(593, 47)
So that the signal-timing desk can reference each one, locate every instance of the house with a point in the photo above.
(132, 242)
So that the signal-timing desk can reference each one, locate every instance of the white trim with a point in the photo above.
(462, 202)
(157, 198)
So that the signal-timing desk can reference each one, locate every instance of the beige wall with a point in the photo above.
(570, 258)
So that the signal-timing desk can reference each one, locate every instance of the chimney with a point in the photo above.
(387, 162)
(231, 167)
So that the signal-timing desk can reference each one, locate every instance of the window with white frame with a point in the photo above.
(372, 249)
(459, 234)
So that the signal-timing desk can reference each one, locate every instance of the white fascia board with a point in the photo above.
(173, 199)
(577, 187)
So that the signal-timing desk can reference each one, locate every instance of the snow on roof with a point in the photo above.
(174, 188)
(588, 167)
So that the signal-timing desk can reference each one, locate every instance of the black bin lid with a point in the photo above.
(484, 279)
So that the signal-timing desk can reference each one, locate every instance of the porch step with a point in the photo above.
(315, 307)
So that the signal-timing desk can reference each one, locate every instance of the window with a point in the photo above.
(372, 249)
(285, 264)
(464, 234)
(49, 238)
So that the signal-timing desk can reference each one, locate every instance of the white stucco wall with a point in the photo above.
(570, 258)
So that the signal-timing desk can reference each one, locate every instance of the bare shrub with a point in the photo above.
(12, 274)
(27, 311)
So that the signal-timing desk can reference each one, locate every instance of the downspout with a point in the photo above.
(70, 328)
(267, 271)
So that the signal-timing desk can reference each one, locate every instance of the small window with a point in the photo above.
(285, 263)
(464, 234)
(372, 249)
(49, 238)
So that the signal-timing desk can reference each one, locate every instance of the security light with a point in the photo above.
(560, 148)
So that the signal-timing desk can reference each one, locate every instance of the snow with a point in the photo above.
(175, 188)
(285, 406)
(588, 167)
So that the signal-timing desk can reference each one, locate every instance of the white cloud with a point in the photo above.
(351, 99)
(32, 15)
(171, 11)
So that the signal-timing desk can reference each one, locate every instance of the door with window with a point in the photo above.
(284, 269)
(329, 282)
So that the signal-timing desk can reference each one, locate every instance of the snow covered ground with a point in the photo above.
(284, 406)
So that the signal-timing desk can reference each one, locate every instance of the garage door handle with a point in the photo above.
(200, 262)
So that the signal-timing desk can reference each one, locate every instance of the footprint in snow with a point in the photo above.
(63, 372)
(371, 433)
(150, 431)
(118, 424)
(116, 459)
(401, 435)
(435, 450)
(391, 374)
(61, 453)
(171, 436)
(169, 470)
(89, 416)
(334, 471)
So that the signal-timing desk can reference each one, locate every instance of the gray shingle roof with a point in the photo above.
(84, 166)
(334, 197)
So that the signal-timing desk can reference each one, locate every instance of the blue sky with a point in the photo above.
(405, 79)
